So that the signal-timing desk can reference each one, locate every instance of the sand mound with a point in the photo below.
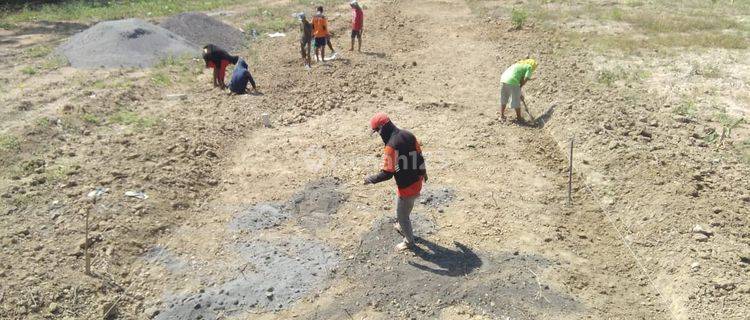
(124, 43)
(201, 30)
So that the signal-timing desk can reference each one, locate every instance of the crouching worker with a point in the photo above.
(218, 59)
(513, 79)
(240, 77)
(403, 160)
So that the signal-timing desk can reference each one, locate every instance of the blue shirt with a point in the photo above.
(240, 77)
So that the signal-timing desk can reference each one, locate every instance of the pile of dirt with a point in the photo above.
(124, 43)
(201, 30)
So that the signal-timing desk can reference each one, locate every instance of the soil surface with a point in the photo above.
(245, 221)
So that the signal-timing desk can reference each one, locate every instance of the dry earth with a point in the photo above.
(243, 221)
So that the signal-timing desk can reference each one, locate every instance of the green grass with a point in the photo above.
(706, 70)
(518, 18)
(130, 118)
(85, 10)
(610, 76)
(265, 19)
(28, 70)
(9, 143)
(42, 123)
(37, 51)
(686, 108)
(160, 78)
(90, 118)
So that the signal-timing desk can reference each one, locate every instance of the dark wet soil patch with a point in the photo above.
(276, 274)
(437, 197)
(162, 256)
(438, 275)
(311, 208)
(272, 272)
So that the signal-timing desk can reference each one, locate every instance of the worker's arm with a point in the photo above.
(389, 167)
(252, 81)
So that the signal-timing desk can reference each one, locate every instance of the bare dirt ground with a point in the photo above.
(245, 222)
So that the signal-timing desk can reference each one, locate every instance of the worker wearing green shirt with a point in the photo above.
(513, 79)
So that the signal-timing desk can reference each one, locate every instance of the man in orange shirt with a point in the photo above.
(403, 160)
(320, 32)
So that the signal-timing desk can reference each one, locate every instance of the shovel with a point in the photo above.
(525, 107)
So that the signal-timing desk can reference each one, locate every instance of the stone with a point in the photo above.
(53, 307)
(700, 237)
(178, 96)
(152, 312)
(700, 229)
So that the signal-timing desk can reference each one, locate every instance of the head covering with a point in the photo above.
(378, 120)
(530, 62)
(301, 16)
(354, 3)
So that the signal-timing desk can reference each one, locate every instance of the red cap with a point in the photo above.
(378, 120)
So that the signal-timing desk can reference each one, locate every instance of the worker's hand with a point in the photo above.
(367, 181)
(425, 177)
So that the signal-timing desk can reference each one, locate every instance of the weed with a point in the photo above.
(28, 70)
(54, 62)
(38, 51)
(728, 122)
(42, 123)
(160, 78)
(132, 118)
(518, 18)
(90, 118)
(686, 108)
(9, 143)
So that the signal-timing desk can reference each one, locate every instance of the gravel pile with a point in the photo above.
(124, 43)
(201, 30)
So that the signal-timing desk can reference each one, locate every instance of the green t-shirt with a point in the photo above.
(515, 73)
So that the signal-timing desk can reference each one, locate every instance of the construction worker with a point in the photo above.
(403, 160)
(513, 79)
(321, 34)
(218, 59)
(306, 36)
(357, 21)
(240, 77)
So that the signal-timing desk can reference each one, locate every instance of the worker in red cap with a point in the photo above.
(403, 160)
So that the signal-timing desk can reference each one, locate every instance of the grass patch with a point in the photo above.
(9, 143)
(686, 109)
(28, 70)
(130, 118)
(728, 122)
(86, 10)
(90, 118)
(54, 62)
(160, 78)
(42, 123)
(706, 70)
(265, 19)
(518, 18)
(37, 51)
(610, 76)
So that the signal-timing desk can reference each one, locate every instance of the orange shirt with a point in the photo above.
(320, 26)
(390, 158)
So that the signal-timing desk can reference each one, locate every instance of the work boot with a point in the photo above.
(403, 246)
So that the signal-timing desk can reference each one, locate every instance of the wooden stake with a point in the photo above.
(570, 173)
(86, 242)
